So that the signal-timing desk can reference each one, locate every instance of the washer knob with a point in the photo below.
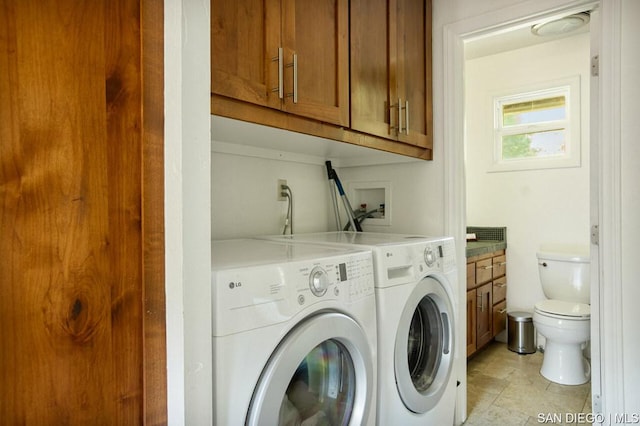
(318, 281)
(429, 256)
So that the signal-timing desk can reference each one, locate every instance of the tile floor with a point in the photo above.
(505, 388)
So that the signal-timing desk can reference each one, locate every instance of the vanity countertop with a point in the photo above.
(489, 239)
(476, 248)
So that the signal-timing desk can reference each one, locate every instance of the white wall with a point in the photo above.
(416, 194)
(246, 186)
(245, 189)
(248, 160)
(537, 206)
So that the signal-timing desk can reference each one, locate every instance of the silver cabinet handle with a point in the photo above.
(399, 115)
(502, 311)
(501, 285)
(295, 78)
(294, 64)
(406, 115)
(400, 107)
(479, 296)
(280, 88)
(501, 263)
(486, 267)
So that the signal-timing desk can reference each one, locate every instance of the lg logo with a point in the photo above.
(233, 285)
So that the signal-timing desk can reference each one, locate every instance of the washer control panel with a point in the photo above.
(318, 281)
(257, 296)
(330, 278)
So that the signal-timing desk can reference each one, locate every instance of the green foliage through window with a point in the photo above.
(538, 128)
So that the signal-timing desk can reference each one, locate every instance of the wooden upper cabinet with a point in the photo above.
(354, 71)
(391, 70)
(245, 35)
(315, 36)
(413, 63)
(370, 83)
(290, 55)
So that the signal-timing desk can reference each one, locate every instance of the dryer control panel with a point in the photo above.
(405, 263)
(258, 296)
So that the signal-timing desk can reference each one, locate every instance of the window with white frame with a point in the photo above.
(538, 129)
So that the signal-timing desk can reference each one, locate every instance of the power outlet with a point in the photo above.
(281, 183)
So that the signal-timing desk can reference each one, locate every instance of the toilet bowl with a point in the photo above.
(566, 327)
(564, 318)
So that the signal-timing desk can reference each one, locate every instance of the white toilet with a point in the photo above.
(564, 318)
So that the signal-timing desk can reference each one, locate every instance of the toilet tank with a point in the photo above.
(564, 272)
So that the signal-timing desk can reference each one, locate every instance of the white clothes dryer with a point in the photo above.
(294, 334)
(416, 288)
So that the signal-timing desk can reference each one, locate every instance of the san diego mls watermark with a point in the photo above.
(589, 418)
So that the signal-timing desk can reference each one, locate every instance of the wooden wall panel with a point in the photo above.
(72, 296)
(155, 350)
(122, 76)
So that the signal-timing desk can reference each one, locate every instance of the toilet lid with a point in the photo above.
(566, 309)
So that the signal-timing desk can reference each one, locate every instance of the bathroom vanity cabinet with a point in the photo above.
(486, 298)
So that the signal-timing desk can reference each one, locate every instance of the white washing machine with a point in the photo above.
(294, 334)
(416, 288)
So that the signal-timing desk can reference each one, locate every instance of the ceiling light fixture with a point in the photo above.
(562, 25)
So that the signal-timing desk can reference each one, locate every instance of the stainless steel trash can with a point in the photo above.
(520, 333)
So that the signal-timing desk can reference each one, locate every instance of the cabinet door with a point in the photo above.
(245, 36)
(471, 322)
(315, 37)
(412, 44)
(370, 68)
(484, 312)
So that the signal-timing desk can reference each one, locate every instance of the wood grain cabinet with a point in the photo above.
(391, 70)
(484, 314)
(290, 55)
(499, 305)
(82, 283)
(486, 298)
(354, 71)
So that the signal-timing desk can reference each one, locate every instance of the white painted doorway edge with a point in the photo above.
(607, 382)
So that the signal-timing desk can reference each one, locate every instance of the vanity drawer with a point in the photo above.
(499, 266)
(483, 271)
(499, 289)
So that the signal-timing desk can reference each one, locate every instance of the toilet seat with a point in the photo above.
(564, 310)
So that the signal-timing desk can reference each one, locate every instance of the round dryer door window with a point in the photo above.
(320, 374)
(424, 346)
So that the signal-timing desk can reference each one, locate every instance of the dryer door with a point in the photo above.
(321, 373)
(424, 346)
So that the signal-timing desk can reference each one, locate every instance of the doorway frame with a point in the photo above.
(601, 171)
